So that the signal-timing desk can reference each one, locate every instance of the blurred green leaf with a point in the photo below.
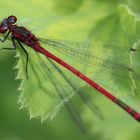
(67, 7)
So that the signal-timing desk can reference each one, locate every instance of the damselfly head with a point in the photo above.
(6, 23)
(3, 26)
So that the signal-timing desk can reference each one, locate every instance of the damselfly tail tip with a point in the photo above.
(136, 116)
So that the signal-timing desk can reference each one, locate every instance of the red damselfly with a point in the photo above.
(21, 35)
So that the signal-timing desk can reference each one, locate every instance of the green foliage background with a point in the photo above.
(106, 21)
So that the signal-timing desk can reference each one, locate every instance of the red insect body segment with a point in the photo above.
(128, 109)
(132, 112)
(24, 35)
(1, 31)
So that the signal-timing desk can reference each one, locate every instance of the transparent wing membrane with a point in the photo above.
(56, 85)
(108, 65)
(109, 61)
(40, 90)
(82, 95)
(114, 59)
(64, 94)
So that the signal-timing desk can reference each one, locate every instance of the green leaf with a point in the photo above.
(40, 96)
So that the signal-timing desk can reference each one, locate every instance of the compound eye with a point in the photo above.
(3, 29)
(12, 19)
(4, 26)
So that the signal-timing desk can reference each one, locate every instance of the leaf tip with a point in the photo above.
(17, 77)
(15, 67)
